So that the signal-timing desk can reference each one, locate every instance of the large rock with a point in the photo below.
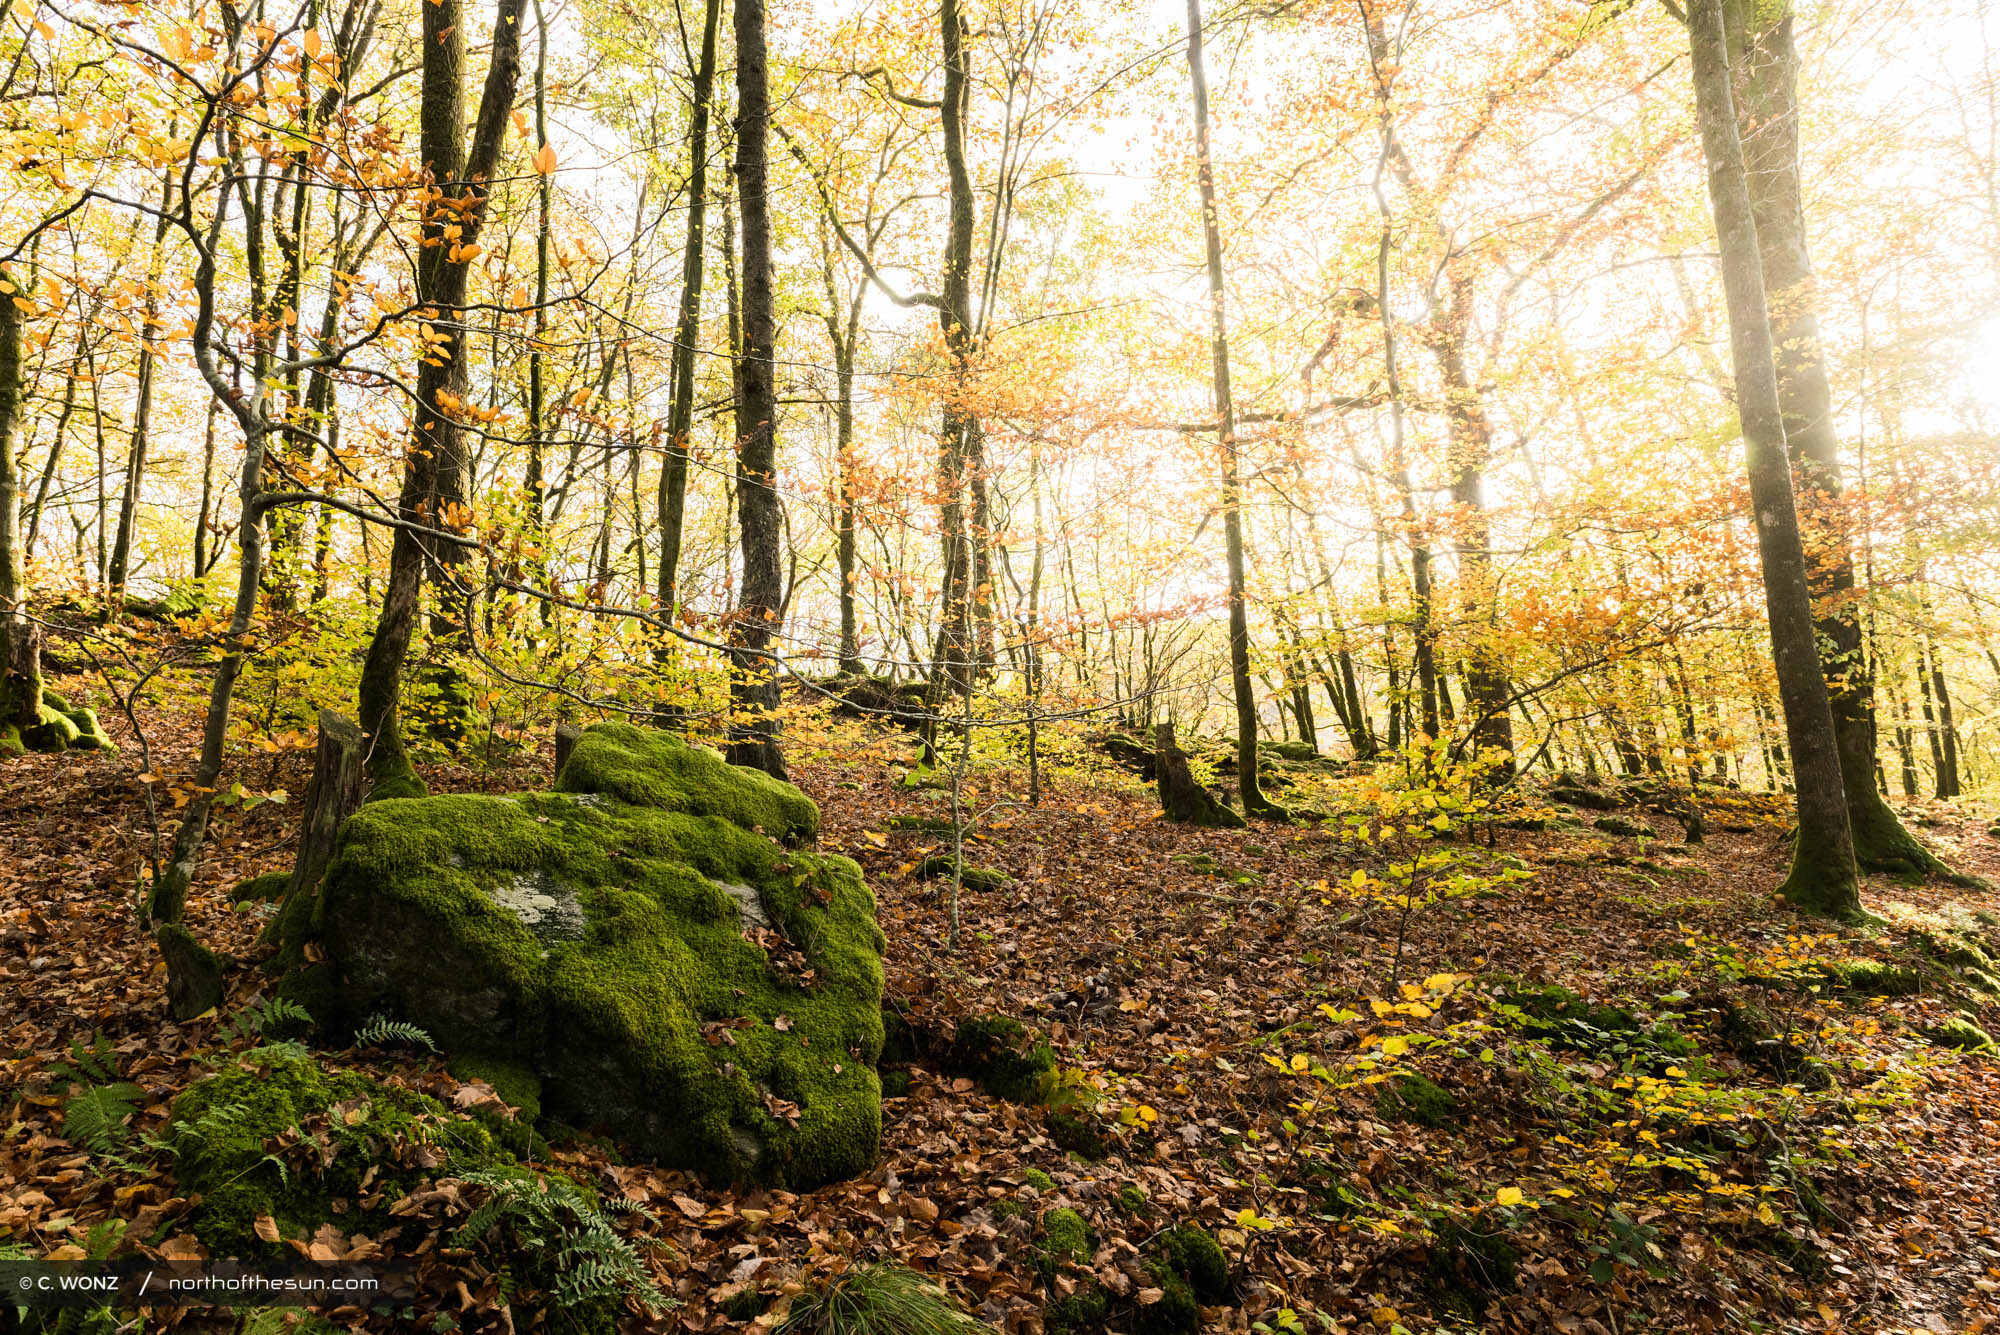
(652, 940)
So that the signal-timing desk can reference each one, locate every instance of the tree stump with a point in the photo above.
(194, 972)
(339, 781)
(566, 735)
(1181, 797)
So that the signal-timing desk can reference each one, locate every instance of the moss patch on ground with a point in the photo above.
(277, 1136)
(1002, 1054)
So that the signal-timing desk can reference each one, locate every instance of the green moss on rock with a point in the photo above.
(1962, 1035)
(644, 768)
(517, 1086)
(1177, 1312)
(1081, 1313)
(281, 1137)
(1875, 977)
(1037, 1179)
(678, 980)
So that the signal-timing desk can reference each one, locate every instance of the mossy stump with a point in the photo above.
(652, 941)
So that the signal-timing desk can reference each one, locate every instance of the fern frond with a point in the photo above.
(380, 1031)
(95, 1119)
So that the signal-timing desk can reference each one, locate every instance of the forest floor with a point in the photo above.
(1186, 979)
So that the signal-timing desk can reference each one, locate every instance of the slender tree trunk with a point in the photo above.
(537, 469)
(1240, 679)
(433, 474)
(687, 327)
(20, 646)
(1948, 785)
(753, 676)
(1471, 450)
(1823, 873)
(955, 658)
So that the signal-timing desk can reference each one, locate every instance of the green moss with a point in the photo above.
(403, 782)
(283, 1138)
(90, 734)
(1078, 1134)
(896, 1083)
(1081, 1313)
(1132, 1200)
(194, 972)
(1005, 1209)
(1065, 1238)
(618, 949)
(270, 886)
(55, 732)
(981, 880)
(1962, 1035)
(1001, 1053)
(1875, 978)
(745, 1305)
(517, 1086)
(1177, 1312)
(11, 744)
(1414, 1099)
(1200, 1258)
(53, 700)
(1037, 1179)
(656, 769)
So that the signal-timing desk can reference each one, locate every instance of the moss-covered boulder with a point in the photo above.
(652, 941)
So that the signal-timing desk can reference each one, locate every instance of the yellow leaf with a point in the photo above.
(1395, 1046)
(1508, 1196)
(545, 159)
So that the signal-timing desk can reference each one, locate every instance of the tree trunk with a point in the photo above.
(956, 652)
(1471, 449)
(687, 326)
(20, 646)
(1768, 64)
(433, 474)
(1241, 683)
(1823, 874)
(753, 675)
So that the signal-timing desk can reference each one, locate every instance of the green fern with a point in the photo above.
(561, 1240)
(95, 1117)
(253, 1021)
(380, 1031)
